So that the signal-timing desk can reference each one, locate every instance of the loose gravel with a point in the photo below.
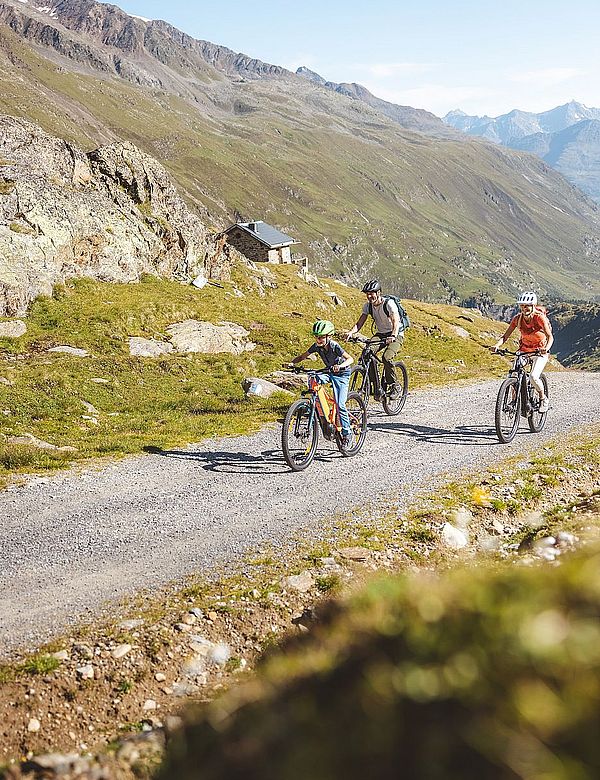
(73, 542)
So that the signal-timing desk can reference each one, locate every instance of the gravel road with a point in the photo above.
(70, 543)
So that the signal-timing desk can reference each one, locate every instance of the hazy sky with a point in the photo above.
(483, 57)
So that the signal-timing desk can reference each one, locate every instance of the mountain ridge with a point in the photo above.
(548, 135)
(438, 219)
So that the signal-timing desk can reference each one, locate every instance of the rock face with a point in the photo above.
(112, 214)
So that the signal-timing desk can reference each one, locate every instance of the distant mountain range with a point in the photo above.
(369, 188)
(566, 137)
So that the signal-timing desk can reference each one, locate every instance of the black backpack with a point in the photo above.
(404, 320)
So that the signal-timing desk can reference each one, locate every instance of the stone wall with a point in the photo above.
(255, 250)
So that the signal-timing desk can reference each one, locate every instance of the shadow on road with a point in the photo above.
(471, 435)
(269, 462)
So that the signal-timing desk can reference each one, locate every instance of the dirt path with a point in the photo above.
(74, 541)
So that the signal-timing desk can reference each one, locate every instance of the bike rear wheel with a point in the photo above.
(300, 435)
(508, 410)
(393, 406)
(360, 382)
(357, 411)
(537, 419)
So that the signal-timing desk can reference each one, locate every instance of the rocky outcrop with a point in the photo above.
(112, 214)
(196, 336)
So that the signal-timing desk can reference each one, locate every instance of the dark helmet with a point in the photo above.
(373, 285)
(323, 328)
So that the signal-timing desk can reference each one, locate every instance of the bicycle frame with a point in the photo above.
(370, 361)
(519, 369)
(324, 404)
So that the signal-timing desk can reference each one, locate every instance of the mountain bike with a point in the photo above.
(368, 380)
(518, 398)
(318, 410)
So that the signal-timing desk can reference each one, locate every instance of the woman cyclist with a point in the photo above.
(535, 336)
(338, 360)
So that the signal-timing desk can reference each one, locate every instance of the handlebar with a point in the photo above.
(508, 352)
(364, 340)
(303, 370)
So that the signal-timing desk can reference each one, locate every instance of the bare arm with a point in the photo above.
(359, 323)
(300, 358)
(505, 337)
(348, 360)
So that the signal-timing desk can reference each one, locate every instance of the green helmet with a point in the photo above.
(323, 328)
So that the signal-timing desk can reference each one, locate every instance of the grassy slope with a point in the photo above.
(180, 398)
(410, 208)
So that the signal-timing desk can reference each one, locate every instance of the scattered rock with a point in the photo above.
(204, 337)
(99, 381)
(497, 526)
(160, 677)
(288, 380)
(121, 651)
(74, 351)
(141, 347)
(32, 441)
(200, 281)
(34, 725)
(212, 616)
(460, 332)
(61, 655)
(5, 381)
(354, 553)
(89, 407)
(453, 537)
(197, 613)
(183, 688)
(149, 705)
(12, 329)
(335, 298)
(128, 625)
(219, 654)
(86, 672)
(301, 583)
(261, 388)
(461, 517)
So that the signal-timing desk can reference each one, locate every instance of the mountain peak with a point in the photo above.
(309, 74)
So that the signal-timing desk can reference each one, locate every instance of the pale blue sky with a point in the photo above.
(482, 57)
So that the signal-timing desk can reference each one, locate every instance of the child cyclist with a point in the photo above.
(536, 336)
(338, 360)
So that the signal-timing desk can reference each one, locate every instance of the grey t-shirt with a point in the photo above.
(383, 323)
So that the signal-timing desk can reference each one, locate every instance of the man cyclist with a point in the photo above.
(535, 336)
(386, 318)
(338, 360)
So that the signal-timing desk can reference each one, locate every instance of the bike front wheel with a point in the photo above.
(357, 412)
(537, 419)
(508, 410)
(300, 435)
(394, 400)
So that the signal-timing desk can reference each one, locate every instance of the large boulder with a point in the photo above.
(198, 336)
(112, 215)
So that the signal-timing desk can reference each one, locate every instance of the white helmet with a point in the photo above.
(527, 298)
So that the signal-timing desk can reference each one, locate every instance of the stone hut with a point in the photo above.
(260, 242)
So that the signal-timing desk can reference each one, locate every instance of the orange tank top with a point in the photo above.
(533, 333)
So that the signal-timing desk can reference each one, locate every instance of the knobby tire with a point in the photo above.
(508, 409)
(299, 437)
(394, 406)
(357, 410)
(537, 420)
